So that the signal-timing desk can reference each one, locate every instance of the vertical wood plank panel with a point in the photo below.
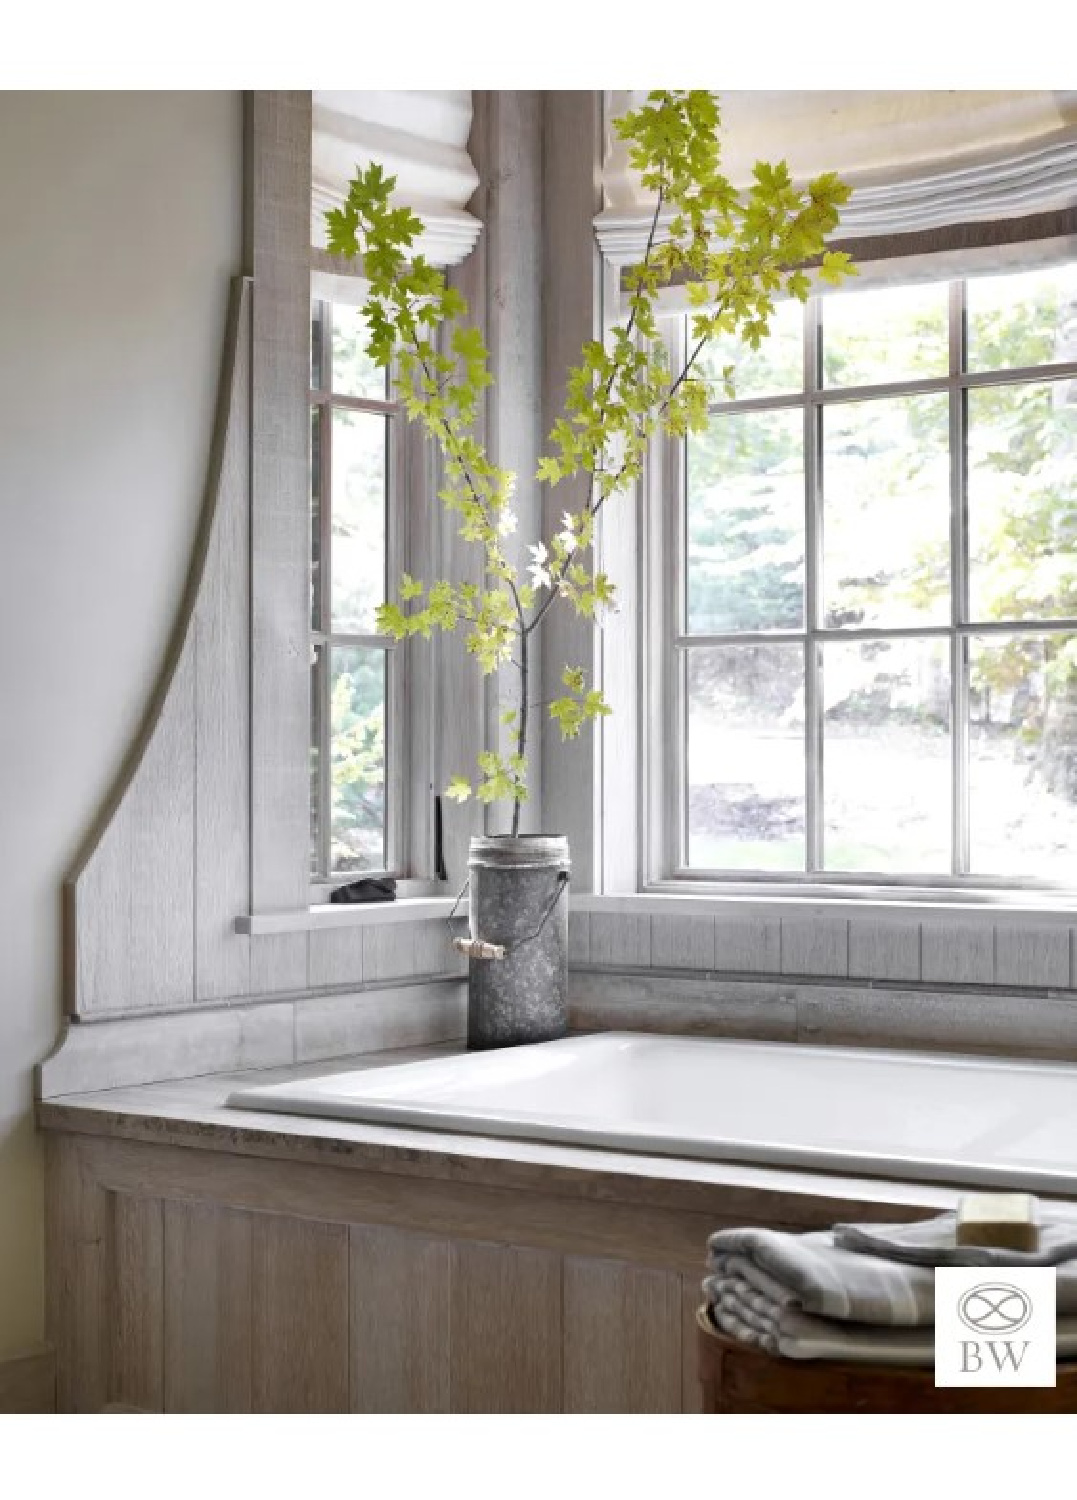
(207, 1318)
(135, 898)
(279, 963)
(815, 945)
(691, 1386)
(78, 1248)
(619, 940)
(747, 945)
(1032, 954)
(506, 1329)
(137, 1303)
(954, 953)
(682, 942)
(884, 950)
(336, 956)
(579, 937)
(622, 1337)
(299, 1342)
(572, 315)
(222, 707)
(399, 1321)
(279, 251)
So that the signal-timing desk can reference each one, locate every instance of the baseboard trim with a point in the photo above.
(28, 1382)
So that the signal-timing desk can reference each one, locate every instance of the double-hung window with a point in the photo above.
(355, 692)
(871, 660)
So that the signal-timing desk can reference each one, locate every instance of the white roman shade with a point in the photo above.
(420, 137)
(945, 182)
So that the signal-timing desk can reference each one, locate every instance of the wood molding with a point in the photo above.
(28, 1383)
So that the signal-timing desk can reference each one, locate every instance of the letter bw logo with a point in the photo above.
(995, 1326)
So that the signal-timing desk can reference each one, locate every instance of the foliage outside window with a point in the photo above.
(352, 422)
(875, 663)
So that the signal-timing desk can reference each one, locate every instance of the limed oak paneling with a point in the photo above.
(399, 1321)
(299, 1337)
(506, 1329)
(622, 1337)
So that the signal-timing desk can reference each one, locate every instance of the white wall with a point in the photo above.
(119, 232)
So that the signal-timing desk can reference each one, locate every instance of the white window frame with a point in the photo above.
(664, 645)
(322, 397)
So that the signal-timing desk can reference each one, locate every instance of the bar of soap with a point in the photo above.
(1006, 1221)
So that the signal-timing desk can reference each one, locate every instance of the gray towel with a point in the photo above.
(780, 1327)
(932, 1242)
(830, 1280)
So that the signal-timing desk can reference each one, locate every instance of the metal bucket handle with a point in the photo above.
(479, 948)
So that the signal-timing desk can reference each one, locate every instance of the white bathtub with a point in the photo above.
(896, 1114)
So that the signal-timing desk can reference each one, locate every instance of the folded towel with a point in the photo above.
(933, 1242)
(782, 1328)
(830, 1280)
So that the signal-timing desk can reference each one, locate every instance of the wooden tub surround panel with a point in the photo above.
(214, 1260)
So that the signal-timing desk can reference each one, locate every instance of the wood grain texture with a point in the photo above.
(617, 940)
(279, 964)
(747, 945)
(508, 145)
(136, 1303)
(377, 1020)
(399, 1321)
(152, 1048)
(884, 950)
(994, 1024)
(1034, 956)
(335, 957)
(579, 937)
(129, 924)
(815, 945)
(78, 1251)
(571, 315)
(278, 222)
(622, 1329)
(222, 703)
(299, 1291)
(135, 896)
(207, 1309)
(957, 953)
(692, 1007)
(692, 1395)
(28, 1383)
(506, 1329)
(682, 942)
(400, 951)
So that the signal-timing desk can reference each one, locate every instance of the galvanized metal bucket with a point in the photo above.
(518, 917)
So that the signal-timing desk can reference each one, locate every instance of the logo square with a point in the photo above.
(995, 1326)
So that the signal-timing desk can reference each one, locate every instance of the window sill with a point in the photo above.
(368, 914)
(990, 908)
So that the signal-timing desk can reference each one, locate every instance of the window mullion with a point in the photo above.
(325, 602)
(813, 560)
(959, 593)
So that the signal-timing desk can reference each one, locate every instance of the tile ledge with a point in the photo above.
(988, 910)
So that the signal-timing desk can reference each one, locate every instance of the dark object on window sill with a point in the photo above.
(368, 889)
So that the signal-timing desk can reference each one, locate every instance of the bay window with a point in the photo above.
(870, 667)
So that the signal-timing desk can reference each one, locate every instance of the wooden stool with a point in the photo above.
(736, 1378)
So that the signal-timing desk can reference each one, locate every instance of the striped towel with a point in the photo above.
(815, 1296)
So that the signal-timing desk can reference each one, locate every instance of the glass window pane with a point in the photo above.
(746, 523)
(359, 479)
(876, 337)
(317, 331)
(1022, 445)
(354, 372)
(357, 757)
(1027, 319)
(774, 369)
(1023, 757)
(886, 521)
(316, 518)
(886, 757)
(317, 667)
(746, 757)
